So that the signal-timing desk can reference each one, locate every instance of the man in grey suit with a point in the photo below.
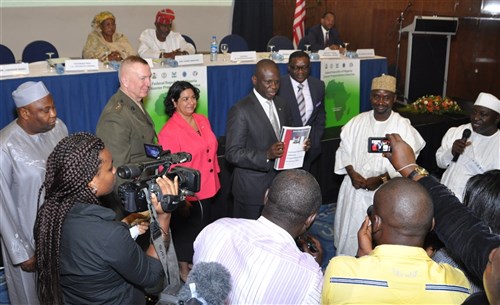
(305, 96)
(252, 143)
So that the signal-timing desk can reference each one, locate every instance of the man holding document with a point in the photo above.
(305, 96)
(253, 140)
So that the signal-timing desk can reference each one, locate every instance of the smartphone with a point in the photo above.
(153, 150)
(379, 145)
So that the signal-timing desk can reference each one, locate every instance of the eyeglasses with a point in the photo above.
(298, 68)
(378, 97)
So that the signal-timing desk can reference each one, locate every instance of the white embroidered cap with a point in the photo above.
(489, 101)
(28, 93)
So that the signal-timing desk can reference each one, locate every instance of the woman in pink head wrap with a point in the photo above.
(104, 43)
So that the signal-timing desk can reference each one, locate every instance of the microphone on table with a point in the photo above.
(465, 136)
(207, 284)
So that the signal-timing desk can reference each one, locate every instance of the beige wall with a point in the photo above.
(67, 27)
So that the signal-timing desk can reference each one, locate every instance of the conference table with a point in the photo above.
(80, 97)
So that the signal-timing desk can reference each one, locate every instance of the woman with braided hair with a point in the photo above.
(83, 255)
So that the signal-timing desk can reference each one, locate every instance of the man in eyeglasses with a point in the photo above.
(366, 171)
(305, 96)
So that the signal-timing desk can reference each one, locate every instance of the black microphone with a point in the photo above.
(213, 284)
(465, 136)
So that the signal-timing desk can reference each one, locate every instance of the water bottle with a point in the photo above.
(214, 49)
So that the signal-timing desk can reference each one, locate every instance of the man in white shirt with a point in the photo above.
(162, 41)
(464, 158)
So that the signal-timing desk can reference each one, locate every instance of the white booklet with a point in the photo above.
(293, 152)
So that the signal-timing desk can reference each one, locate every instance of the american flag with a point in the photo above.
(298, 21)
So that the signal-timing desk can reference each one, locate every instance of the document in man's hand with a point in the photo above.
(293, 152)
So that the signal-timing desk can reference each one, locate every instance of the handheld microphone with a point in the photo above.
(465, 135)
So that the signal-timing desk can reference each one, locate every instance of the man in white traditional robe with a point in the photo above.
(366, 171)
(25, 145)
(464, 158)
(162, 41)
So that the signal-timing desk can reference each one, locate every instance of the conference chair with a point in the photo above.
(280, 43)
(235, 43)
(189, 40)
(302, 44)
(6, 55)
(37, 51)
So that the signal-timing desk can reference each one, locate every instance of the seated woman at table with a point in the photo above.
(190, 132)
(84, 256)
(104, 41)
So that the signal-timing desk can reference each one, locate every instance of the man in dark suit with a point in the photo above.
(252, 142)
(317, 35)
(311, 96)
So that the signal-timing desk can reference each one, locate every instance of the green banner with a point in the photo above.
(162, 79)
(342, 97)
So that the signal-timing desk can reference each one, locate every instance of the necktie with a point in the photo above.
(272, 118)
(326, 39)
(302, 103)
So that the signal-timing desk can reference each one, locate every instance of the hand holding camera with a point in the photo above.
(167, 188)
(309, 244)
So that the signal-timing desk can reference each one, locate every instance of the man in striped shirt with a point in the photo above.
(265, 263)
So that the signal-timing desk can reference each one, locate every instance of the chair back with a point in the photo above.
(189, 40)
(6, 55)
(280, 43)
(235, 43)
(302, 44)
(37, 51)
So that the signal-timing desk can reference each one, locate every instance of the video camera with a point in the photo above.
(134, 194)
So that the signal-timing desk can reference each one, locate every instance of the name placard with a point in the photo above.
(81, 65)
(365, 53)
(325, 54)
(14, 69)
(244, 56)
(184, 60)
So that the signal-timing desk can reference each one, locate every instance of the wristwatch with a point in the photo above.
(418, 171)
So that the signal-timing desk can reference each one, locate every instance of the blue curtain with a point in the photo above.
(253, 20)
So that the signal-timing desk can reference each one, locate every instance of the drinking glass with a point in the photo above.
(162, 59)
(224, 47)
(345, 47)
(271, 47)
(50, 64)
(307, 48)
(106, 60)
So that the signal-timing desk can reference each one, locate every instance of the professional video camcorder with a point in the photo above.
(136, 193)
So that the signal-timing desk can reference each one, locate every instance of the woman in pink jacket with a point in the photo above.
(187, 131)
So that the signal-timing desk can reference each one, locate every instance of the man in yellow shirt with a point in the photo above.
(398, 270)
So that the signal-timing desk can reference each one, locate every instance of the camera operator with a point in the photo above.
(83, 255)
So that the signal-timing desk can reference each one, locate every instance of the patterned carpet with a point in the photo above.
(323, 230)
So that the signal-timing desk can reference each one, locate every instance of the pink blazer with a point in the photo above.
(178, 136)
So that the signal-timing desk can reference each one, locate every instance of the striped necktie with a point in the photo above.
(326, 39)
(272, 118)
(302, 103)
